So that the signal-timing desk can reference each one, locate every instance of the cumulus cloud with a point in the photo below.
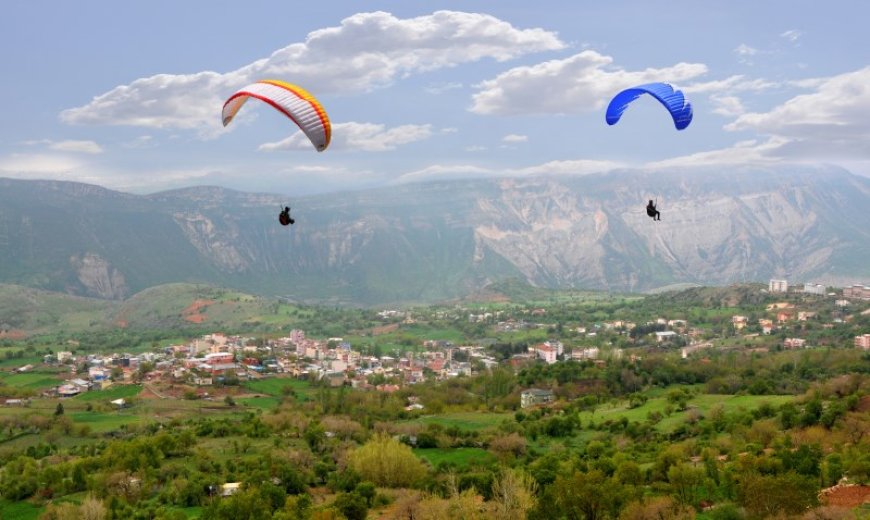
(728, 106)
(832, 121)
(515, 138)
(366, 51)
(367, 137)
(580, 83)
(468, 171)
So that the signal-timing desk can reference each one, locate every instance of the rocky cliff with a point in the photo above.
(425, 242)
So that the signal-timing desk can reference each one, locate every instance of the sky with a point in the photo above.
(128, 95)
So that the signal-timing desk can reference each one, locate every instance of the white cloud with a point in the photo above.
(468, 171)
(791, 35)
(515, 138)
(833, 121)
(583, 82)
(475, 148)
(736, 83)
(77, 147)
(368, 137)
(72, 168)
(39, 165)
(750, 151)
(745, 50)
(728, 106)
(89, 147)
(367, 51)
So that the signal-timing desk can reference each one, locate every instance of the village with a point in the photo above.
(217, 359)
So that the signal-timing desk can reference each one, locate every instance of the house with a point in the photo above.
(585, 353)
(535, 396)
(794, 343)
(766, 325)
(230, 488)
(739, 321)
(665, 335)
(862, 341)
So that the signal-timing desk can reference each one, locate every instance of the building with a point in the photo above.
(739, 321)
(862, 341)
(585, 353)
(766, 325)
(861, 292)
(814, 288)
(547, 353)
(535, 396)
(778, 286)
(665, 335)
(794, 343)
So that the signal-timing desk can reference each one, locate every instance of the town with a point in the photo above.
(194, 368)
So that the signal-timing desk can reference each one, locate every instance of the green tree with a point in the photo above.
(387, 462)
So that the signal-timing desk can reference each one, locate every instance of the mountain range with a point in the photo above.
(426, 242)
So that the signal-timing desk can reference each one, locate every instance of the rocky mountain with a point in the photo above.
(439, 240)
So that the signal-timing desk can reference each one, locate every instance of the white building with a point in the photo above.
(814, 288)
(778, 286)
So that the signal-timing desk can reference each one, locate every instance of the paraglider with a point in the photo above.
(679, 108)
(292, 101)
(652, 211)
(284, 217)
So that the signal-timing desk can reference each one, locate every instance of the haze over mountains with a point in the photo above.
(433, 241)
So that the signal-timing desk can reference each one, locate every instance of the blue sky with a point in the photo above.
(128, 95)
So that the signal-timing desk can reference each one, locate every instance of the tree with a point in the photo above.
(58, 411)
(587, 496)
(658, 508)
(513, 494)
(352, 506)
(767, 495)
(685, 482)
(387, 462)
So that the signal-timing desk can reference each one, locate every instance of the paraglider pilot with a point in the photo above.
(652, 211)
(284, 217)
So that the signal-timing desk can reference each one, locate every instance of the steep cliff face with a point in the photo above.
(425, 242)
(594, 232)
(98, 277)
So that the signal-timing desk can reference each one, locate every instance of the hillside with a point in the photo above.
(443, 240)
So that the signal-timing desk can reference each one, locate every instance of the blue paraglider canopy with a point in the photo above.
(673, 100)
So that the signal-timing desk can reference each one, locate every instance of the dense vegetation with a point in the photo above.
(644, 435)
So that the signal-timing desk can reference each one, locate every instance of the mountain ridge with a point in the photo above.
(438, 240)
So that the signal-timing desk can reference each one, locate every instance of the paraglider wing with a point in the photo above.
(291, 100)
(673, 100)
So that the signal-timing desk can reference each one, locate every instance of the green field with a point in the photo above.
(263, 403)
(274, 386)
(31, 380)
(703, 403)
(111, 393)
(460, 457)
(106, 421)
(18, 510)
(466, 420)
